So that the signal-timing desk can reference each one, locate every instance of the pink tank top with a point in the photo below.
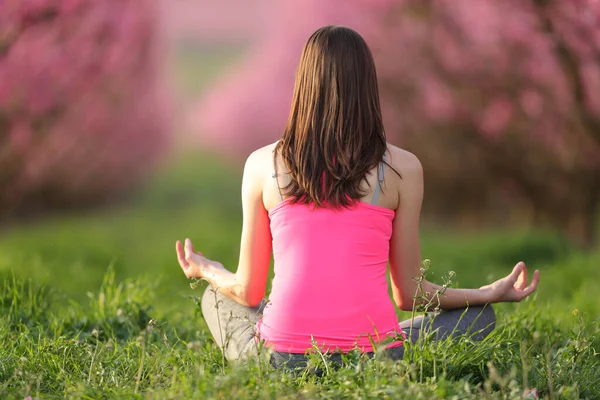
(330, 284)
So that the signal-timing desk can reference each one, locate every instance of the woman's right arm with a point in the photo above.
(405, 256)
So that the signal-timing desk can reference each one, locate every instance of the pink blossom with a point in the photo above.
(532, 103)
(437, 99)
(80, 91)
(496, 117)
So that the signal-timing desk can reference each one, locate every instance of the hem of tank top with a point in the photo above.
(393, 344)
(375, 207)
(365, 349)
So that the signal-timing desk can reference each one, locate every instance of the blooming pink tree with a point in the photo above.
(81, 118)
(506, 93)
(499, 99)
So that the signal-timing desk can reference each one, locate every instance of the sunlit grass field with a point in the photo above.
(94, 305)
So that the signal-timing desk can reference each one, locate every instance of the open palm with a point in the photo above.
(192, 263)
(513, 287)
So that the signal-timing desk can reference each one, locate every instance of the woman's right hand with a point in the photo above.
(193, 263)
(512, 287)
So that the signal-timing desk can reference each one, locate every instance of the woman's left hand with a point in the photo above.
(513, 287)
(193, 264)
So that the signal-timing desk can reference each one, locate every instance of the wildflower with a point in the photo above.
(532, 394)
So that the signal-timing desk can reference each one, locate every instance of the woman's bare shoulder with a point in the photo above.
(262, 158)
(410, 182)
(404, 161)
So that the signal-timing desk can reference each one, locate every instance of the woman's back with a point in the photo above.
(330, 284)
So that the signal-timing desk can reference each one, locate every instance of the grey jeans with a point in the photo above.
(233, 326)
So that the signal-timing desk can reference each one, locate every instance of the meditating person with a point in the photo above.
(335, 204)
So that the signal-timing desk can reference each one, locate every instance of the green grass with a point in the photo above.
(94, 305)
(72, 252)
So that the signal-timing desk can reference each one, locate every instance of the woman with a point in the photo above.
(334, 202)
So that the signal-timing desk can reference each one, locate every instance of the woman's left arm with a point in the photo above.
(247, 285)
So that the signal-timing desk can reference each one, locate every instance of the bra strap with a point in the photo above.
(379, 183)
(275, 174)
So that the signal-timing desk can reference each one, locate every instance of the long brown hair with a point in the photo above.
(334, 135)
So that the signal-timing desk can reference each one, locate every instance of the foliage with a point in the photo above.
(81, 113)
